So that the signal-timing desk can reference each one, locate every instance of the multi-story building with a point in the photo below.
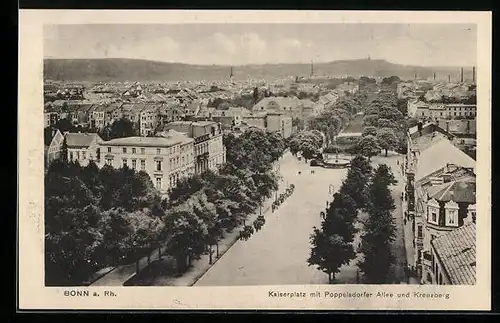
(449, 206)
(97, 119)
(54, 148)
(423, 170)
(50, 118)
(257, 119)
(461, 110)
(83, 147)
(165, 159)
(209, 149)
(149, 119)
(279, 122)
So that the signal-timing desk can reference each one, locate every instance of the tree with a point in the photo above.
(379, 229)
(368, 146)
(121, 128)
(370, 130)
(187, 236)
(370, 120)
(362, 165)
(329, 251)
(64, 125)
(386, 139)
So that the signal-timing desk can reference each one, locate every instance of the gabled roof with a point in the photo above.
(456, 250)
(81, 139)
(440, 154)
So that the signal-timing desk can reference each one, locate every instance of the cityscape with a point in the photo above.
(234, 161)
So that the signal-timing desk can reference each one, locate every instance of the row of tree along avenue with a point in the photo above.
(98, 218)
(332, 244)
(384, 125)
(364, 191)
(378, 229)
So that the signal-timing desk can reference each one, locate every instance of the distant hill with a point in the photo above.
(121, 70)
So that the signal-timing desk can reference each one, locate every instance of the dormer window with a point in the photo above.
(433, 211)
(451, 209)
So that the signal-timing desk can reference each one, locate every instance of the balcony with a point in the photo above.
(203, 156)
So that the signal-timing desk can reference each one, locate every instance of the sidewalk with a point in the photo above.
(161, 272)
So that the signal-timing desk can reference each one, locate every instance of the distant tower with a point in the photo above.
(449, 78)
(312, 68)
(461, 75)
(434, 76)
(474, 74)
(231, 73)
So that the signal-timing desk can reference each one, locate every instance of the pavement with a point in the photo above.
(277, 255)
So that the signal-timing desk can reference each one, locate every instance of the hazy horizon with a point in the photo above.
(439, 45)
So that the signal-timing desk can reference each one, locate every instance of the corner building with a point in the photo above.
(165, 159)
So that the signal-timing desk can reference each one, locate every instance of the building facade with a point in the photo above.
(54, 149)
(83, 147)
(209, 149)
(165, 159)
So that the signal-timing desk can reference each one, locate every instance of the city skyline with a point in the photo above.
(248, 44)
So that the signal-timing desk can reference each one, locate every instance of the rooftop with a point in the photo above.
(460, 191)
(81, 139)
(438, 155)
(457, 252)
(149, 141)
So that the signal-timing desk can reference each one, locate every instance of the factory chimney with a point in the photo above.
(434, 76)
(449, 78)
(474, 74)
(461, 75)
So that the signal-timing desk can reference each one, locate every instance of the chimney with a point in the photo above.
(434, 76)
(474, 74)
(447, 126)
(449, 78)
(461, 75)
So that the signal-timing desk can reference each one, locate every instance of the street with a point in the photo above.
(277, 255)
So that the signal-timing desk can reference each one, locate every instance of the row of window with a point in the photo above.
(143, 150)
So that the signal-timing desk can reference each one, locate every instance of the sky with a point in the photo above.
(240, 44)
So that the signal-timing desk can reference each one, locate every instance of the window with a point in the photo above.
(84, 155)
(158, 165)
(133, 150)
(109, 149)
(143, 151)
(158, 151)
(124, 162)
(143, 164)
(183, 162)
(419, 232)
(109, 162)
(71, 155)
(124, 149)
(134, 164)
(158, 183)
(434, 216)
(177, 161)
(451, 218)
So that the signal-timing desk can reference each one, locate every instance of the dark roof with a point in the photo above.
(457, 252)
(460, 191)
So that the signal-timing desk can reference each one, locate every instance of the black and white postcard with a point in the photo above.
(254, 160)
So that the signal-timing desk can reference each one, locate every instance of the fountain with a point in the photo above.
(336, 162)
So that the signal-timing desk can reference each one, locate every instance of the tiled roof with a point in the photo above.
(438, 156)
(147, 141)
(81, 139)
(456, 251)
